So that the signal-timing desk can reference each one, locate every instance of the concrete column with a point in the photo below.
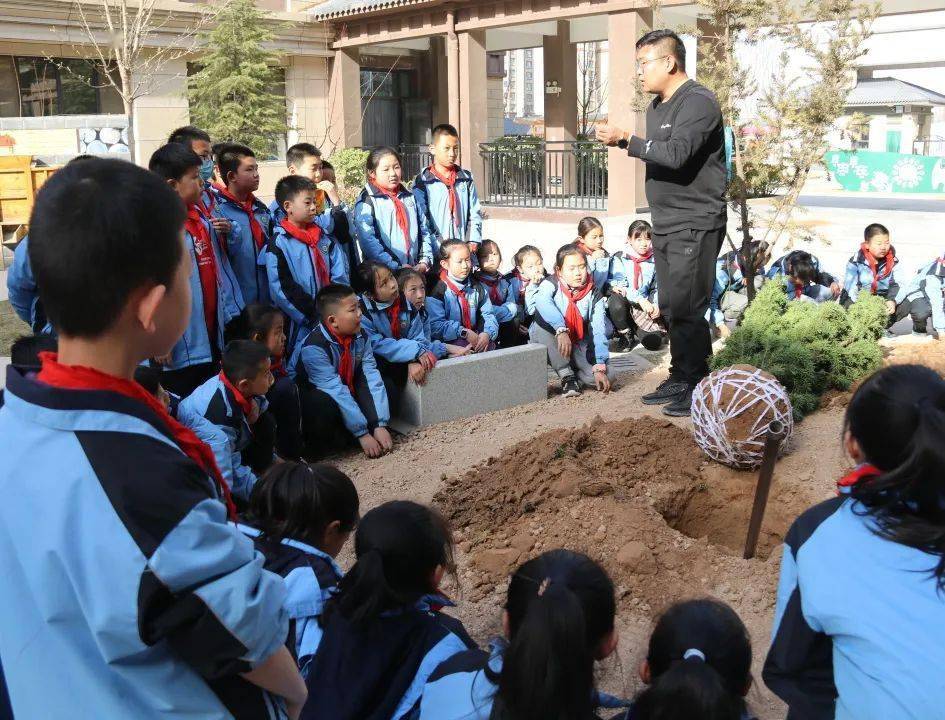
(560, 67)
(306, 90)
(344, 101)
(625, 193)
(473, 100)
(440, 88)
(453, 81)
(160, 110)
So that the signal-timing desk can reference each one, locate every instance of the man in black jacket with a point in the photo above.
(684, 152)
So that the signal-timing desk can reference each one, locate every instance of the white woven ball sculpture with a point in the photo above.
(731, 411)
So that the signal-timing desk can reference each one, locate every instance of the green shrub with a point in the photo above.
(349, 171)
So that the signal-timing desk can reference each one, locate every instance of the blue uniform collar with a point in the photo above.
(298, 545)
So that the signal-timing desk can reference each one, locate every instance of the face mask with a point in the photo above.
(206, 169)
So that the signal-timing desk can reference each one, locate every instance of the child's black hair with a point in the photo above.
(683, 685)
(229, 158)
(330, 296)
(242, 358)
(25, 350)
(874, 229)
(639, 227)
(296, 154)
(188, 135)
(217, 148)
(565, 251)
(523, 252)
(444, 129)
(801, 265)
(327, 165)
(290, 186)
(149, 377)
(404, 274)
(898, 418)
(560, 607)
(101, 229)
(171, 161)
(399, 546)
(483, 250)
(256, 319)
(299, 501)
(365, 278)
(446, 247)
(378, 154)
(587, 224)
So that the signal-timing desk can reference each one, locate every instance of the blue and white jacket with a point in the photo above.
(620, 275)
(293, 282)
(858, 629)
(437, 347)
(212, 435)
(376, 323)
(316, 361)
(859, 276)
(433, 201)
(507, 309)
(524, 300)
(249, 263)
(550, 306)
(446, 315)
(311, 577)
(23, 293)
(928, 282)
(380, 673)
(780, 266)
(325, 219)
(380, 237)
(216, 403)
(728, 278)
(464, 687)
(120, 569)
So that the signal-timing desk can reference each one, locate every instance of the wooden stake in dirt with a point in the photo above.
(772, 443)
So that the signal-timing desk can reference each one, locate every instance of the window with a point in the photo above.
(38, 87)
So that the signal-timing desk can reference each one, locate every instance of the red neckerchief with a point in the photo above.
(859, 472)
(495, 295)
(403, 222)
(206, 210)
(346, 363)
(873, 262)
(450, 181)
(460, 294)
(393, 315)
(206, 267)
(584, 248)
(798, 290)
(77, 377)
(247, 207)
(246, 404)
(277, 366)
(523, 282)
(638, 261)
(310, 236)
(572, 316)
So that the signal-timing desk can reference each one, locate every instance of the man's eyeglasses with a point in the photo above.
(641, 64)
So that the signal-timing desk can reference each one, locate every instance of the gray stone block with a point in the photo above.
(475, 384)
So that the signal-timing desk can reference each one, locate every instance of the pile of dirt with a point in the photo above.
(929, 353)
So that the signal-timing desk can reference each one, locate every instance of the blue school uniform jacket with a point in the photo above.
(858, 631)
(216, 403)
(779, 267)
(446, 314)
(437, 347)
(376, 323)
(316, 361)
(23, 293)
(293, 282)
(551, 304)
(311, 577)
(859, 277)
(433, 201)
(928, 282)
(728, 278)
(380, 673)
(248, 263)
(620, 275)
(380, 237)
(212, 435)
(506, 310)
(125, 592)
(526, 300)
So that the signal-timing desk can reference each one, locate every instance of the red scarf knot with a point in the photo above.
(277, 366)
(206, 267)
(310, 236)
(346, 362)
(248, 206)
(245, 404)
(572, 316)
(888, 263)
(492, 283)
(638, 261)
(460, 293)
(864, 470)
(403, 221)
(449, 179)
(798, 290)
(523, 282)
(393, 316)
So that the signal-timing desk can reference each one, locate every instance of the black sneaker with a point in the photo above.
(622, 342)
(570, 387)
(667, 391)
(651, 340)
(919, 328)
(682, 405)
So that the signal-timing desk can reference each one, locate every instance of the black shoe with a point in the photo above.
(570, 387)
(622, 342)
(651, 340)
(919, 328)
(682, 405)
(667, 391)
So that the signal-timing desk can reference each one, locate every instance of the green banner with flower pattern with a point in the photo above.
(866, 171)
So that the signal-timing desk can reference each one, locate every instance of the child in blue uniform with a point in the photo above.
(178, 618)
(872, 270)
(698, 665)
(730, 293)
(234, 401)
(858, 629)
(590, 239)
(300, 517)
(803, 278)
(558, 620)
(631, 282)
(504, 302)
(461, 312)
(413, 286)
(570, 323)
(342, 392)
(921, 298)
(302, 258)
(383, 632)
(390, 228)
(524, 280)
(305, 160)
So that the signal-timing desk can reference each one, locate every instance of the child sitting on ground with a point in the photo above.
(698, 665)
(558, 621)
(922, 298)
(590, 239)
(730, 293)
(395, 329)
(460, 310)
(872, 269)
(234, 401)
(504, 303)
(302, 258)
(524, 281)
(632, 283)
(300, 517)
(341, 390)
(413, 286)
(800, 271)
(570, 323)
(383, 633)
